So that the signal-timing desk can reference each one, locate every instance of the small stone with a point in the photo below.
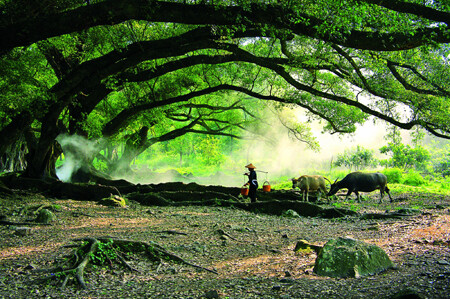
(45, 216)
(276, 288)
(22, 231)
(114, 201)
(406, 294)
(306, 247)
(286, 280)
(30, 267)
(212, 294)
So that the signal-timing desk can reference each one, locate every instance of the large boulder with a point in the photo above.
(347, 257)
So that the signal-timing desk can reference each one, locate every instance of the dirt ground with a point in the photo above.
(252, 253)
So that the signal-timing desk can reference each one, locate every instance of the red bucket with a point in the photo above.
(266, 186)
(244, 190)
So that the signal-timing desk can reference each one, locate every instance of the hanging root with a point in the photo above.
(104, 250)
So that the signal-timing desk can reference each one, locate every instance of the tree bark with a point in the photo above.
(44, 153)
(14, 130)
(256, 16)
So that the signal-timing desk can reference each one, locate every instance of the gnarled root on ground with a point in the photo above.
(102, 250)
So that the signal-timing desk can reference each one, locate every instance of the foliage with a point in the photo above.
(210, 151)
(406, 157)
(129, 69)
(440, 157)
(442, 165)
(394, 175)
(413, 178)
(105, 253)
(357, 158)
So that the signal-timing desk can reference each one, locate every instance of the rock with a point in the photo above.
(406, 294)
(113, 201)
(22, 231)
(30, 267)
(305, 246)
(212, 294)
(443, 262)
(291, 213)
(276, 288)
(45, 216)
(408, 211)
(347, 257)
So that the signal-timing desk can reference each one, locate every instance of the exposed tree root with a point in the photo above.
(102, 250)
(6, 222)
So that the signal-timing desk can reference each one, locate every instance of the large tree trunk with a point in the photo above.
(13, 160)
(44, 153)
(14, 130)
(135, 145)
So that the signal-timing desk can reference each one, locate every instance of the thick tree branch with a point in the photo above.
(393, 68)
(112, 12)
(116, 123)
(419, 10)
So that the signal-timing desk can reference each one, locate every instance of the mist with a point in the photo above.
(285, 156)
(276, 155)
(76, 149)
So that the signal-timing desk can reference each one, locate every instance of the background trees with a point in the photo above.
(143, 72)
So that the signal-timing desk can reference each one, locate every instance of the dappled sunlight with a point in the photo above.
(285, 263)
(15, 252)
(102, 223)
(437, 231)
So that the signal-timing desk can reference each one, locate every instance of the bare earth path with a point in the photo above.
(252, 253)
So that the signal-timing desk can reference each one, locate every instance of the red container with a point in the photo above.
(266, 186)
(244, 190)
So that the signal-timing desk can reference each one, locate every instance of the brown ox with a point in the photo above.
(308, 183)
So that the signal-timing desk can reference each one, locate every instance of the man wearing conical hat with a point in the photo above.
(252, 182)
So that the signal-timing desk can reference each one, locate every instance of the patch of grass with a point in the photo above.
(337, 205)
(355, 207)
(105, 252)
(413, 178)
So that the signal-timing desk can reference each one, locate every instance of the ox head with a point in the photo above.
(334, 188)
(294, 182)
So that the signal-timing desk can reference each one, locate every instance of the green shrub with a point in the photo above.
(445, 184)
(394, 175)
(413, 178)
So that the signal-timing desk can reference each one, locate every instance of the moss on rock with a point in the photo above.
(45, 216)
(347, 257)
(114, 201)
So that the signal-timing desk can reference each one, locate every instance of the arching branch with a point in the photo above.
(419, 10)
(255, 16)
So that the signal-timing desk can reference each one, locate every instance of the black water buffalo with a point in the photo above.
(308, 183)
(358, 181)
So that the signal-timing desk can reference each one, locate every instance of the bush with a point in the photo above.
(413, 178)
(394, 175)
(445, 184)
